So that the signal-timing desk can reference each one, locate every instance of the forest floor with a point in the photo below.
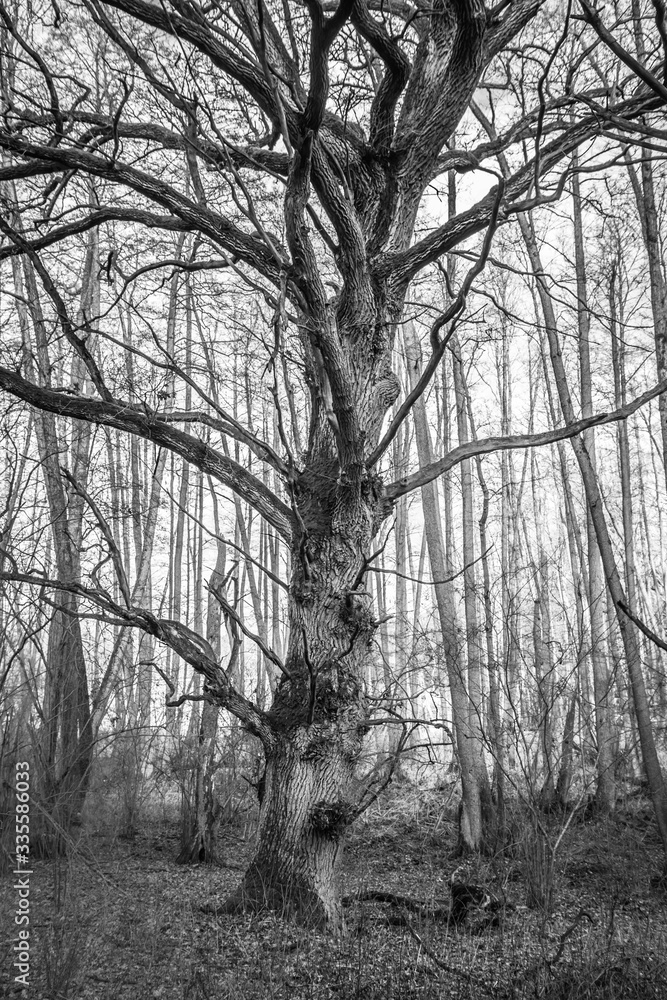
(119, 920)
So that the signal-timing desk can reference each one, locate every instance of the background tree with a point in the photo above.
(191, 122)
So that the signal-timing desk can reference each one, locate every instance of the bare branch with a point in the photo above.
(194, 649)
(485, 445)
(197, 217)
(108, 536)
(451, 314)
(649, 633)
(149, 424)
(593, 18)
(397, 71)
(503, 30)
(405, 265)
(78, 343)
(229, 610)
(97, 218)
(197, 32)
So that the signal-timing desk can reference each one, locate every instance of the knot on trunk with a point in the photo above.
(313, 696)
(388, 384)
(331, 819)
(357, 616)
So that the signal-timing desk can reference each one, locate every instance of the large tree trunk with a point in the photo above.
(303, 817)
(317, 720)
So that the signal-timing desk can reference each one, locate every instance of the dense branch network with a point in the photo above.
(293, 142)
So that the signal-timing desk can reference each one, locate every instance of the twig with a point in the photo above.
(468, 976)
(228, 609)
(172, 702)
(431, 583)
(649, 633)
(108, 536)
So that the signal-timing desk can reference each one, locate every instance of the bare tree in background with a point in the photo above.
(209, 110)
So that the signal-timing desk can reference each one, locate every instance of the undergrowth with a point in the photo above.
(119, 920)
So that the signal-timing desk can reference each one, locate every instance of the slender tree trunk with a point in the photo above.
(606, 786)
(476, 807)
(475, 685)
(201, 824)
(508, 569)
(628, 633)
(401, 623)
(496, 736)
(566, 757)
(65, 744)
(477, 711)
(544, 666)
(647, 208)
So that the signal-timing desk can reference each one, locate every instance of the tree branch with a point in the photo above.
(404, 265)
(485, 445)
(229, 610)
(592, 17)
(148, 424)
(503, 31)
(450, 315)
(116, 558)
(397, 72)
(197, 217)
(96, 218)
(197, 32)
(76, 342)
(649, 633)
(194, 649)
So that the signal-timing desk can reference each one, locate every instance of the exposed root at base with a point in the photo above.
(463, 898)
(300, 905)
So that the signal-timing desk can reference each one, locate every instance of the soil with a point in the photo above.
(120, 920)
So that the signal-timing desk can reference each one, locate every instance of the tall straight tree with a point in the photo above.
(606, 787)
(66, 736)
(210, 112)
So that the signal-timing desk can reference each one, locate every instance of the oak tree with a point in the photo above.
(346, 112)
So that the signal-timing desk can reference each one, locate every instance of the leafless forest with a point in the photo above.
(333, 437)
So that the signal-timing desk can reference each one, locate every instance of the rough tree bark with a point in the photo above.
(352, 197)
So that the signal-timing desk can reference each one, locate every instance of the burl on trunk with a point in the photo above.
(319, 715)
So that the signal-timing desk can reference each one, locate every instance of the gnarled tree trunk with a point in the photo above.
(304, 815)
(317, 719)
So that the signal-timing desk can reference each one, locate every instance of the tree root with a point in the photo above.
(421, 906)
(293, 902)
(463, 897)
